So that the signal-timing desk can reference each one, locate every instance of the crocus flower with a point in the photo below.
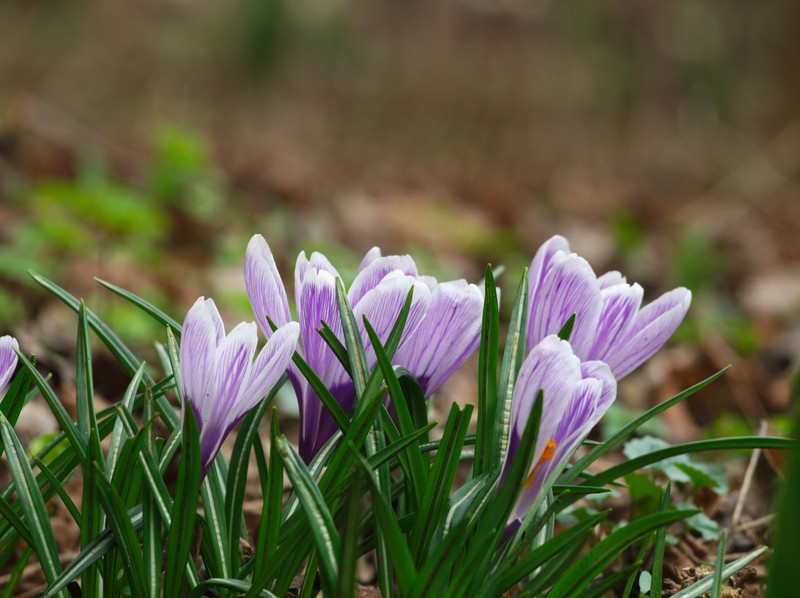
(575, 396)
(220, 379)
(441, 330)
(8, 359)
(609, 324)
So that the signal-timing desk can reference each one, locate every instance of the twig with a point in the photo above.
(748, 477)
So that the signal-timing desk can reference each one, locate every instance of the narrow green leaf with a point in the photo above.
(339, 350)
(435, 573)
(704, 585)
(124, 534)
(660, 544)
(595, 561)
(216, 532)
(322, 528)
(184, 509)
(608, 582)
(237, 475)
(350, 536)
(33, 506)
(118, 349)
(513, 356)
(566, 330)
(128, 399)
(716, 587)
(237, 585)
(326, 398)
(151, 528)
(352, 340)
(487, 378)
(17, 572)
(84, 387)
(399, 555)
(719, 444)
(529, 563)
(437, 492)
(96, 550)
(57, 408)
(416, 462)
(272, 490)
(144, 305)
(14, 520)
(16, 396)
(58, 486)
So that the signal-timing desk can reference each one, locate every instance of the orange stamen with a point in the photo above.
(548, 453)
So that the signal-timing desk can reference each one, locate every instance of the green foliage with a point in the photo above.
(433, 512)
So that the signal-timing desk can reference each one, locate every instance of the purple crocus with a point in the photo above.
(220, 380)
(442, 328)
(576, 395)
(8, 359)
(610, 325)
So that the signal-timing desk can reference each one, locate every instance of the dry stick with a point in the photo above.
(755, 523)
(748, 477)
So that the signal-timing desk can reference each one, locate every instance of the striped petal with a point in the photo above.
(375, 271)
(449, 333)
(651, 328)
(198, 354)
(568, 287)
(382, 304)
(264, 285)
(620, 304)
(8, 359)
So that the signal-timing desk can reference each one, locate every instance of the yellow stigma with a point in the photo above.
(548, 453)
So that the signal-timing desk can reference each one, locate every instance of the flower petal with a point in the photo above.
(611, 278)
(620, 305)
(264, 285)
(568, 287)
(553, 368)
(541, 261)
(198, 353)
(8, 359)
(369, 257)
(449, 333)
(270, 364)
(316, 302)
(653, 325)
(372, 274)
(382, 304)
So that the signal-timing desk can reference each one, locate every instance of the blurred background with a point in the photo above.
(144, 143)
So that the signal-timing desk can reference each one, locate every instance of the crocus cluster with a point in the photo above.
(612, 335)
(442, 329)
(8, 359)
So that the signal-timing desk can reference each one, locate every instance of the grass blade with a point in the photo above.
(437, 491)
(704, 585)
(350, 536)
(33, 508)
(487, 379)
(124, 534)
(660, 544)
(184, 509)
(144, 305)
(321, 522)
(237, 475)
(513, 356)
(399, 555)
(595, 561)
